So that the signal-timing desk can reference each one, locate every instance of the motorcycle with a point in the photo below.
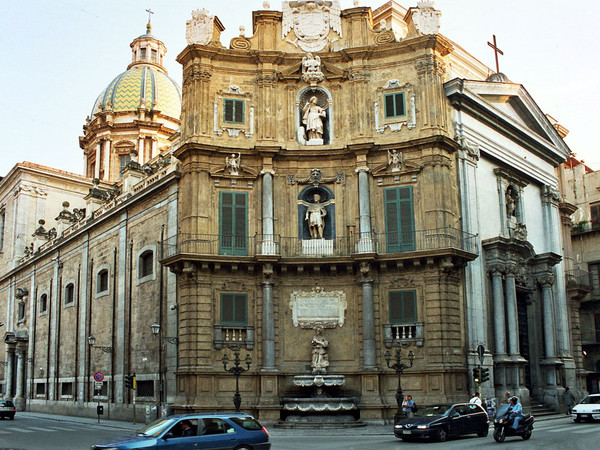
(503, 425)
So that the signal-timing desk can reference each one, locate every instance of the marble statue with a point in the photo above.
(233, 163)
(320, 359)
(394, 160)
(312, 118)
(315, 214)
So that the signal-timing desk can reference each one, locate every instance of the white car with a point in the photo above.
(589, 408)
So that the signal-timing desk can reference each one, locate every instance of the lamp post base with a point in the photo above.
(399, 416)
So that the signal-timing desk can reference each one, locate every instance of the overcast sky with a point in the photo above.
(57, 56)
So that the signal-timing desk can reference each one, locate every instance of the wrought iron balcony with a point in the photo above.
(578, 277)
(209, 245)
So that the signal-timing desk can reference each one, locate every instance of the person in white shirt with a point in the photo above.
(476, 399)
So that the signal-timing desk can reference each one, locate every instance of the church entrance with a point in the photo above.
(524, 347)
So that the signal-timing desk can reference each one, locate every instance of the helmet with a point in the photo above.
(514, 399)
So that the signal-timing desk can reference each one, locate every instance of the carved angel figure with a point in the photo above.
(394, 160)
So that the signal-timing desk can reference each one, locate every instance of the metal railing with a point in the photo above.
(405, 332)
(578, 277)
(294, 247)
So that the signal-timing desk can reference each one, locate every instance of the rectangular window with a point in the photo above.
(43, 303)
(399, 219)
(594, 270)
(2, 222)
(595, 216)
(394, 105)
(403, 306)
(154, 56)
(102, 281)
(66, 389)
(145, 388)
(69, 293)
(123, 161)
(142, 54)
(233, 220)
(40, 389)
(233, 111)
(234, 309)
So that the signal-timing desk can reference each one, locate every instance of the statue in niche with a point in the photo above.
(315, 214)
(511, 204)
(233, 163)
(320, 359)
(394, 160)
(312, 118)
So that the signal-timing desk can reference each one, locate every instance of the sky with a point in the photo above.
(57, 56)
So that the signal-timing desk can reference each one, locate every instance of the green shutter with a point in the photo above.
(233, 223)
(399, 102)
(403, 307)
(389, 106)
(239, 111)
(394, 105)
(228, 110)
(399, 220)
(233, 111)
(234, 309)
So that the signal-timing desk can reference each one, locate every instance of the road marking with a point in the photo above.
(589, 429)
(559, 429)
(42, 429)
(17, 430)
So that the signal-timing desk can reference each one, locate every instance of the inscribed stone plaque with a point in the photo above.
(318, 308)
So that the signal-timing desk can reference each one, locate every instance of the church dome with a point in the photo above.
(142, 86)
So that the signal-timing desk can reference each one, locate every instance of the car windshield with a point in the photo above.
(591, 399)
(503, 409)
(435, 410)
(6, 403)
(156, 427)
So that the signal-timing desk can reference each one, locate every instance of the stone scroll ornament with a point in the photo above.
(311, 20)
(199, 29)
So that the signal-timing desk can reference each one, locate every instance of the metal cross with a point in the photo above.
(150, 12)
(496, 51)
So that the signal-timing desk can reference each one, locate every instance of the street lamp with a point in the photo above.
(399, 367)
(155, 327)
(92, 342)
(236, 370)
(156, 332)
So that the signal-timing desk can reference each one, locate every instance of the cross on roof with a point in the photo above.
(150, 12)
(496, 51)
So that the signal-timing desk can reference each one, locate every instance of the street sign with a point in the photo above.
(98, 385)
(98, 376)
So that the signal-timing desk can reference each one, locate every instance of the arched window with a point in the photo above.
(43, 303)
(69, 293)
(146, 264)
(102, 281)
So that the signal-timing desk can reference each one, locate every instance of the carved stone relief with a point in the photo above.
(318, 308)
(199, 29)
(311, 21)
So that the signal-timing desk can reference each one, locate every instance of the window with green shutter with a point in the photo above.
(394, 105)
(233, 111)
(233, 223)
(399, 219)
(234, 309)
(403, 306)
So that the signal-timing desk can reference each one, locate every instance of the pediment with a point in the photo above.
(330, 71)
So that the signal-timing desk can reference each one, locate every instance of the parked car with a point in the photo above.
(202, 430)
(7, 409)
(588, 408)
(443, 421)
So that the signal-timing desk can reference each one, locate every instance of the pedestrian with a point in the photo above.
(569, 399)
(407, 406)
(476, 399)
(508, 396)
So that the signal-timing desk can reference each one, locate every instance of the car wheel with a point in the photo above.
(243, 447)
(526, 435)
(442, 434)
(499, 435)
(576, 419)
(484, 432)
(12, 417)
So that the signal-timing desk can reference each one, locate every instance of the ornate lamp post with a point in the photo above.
(236, 370)
(92, 342)
(398, 366)
(156, 331)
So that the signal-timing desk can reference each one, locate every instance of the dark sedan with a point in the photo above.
(443, 421)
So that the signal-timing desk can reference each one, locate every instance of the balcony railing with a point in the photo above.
(590, 337)
(578, 277)
(293, 247)
(403, 333)
(234, 335)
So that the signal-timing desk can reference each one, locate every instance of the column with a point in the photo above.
(19, 399)
(141, 149)
(548, 313)
(365, 243)
(498, 300)
(154, 145)
(106, 162)
(511, 313)
(368, 322)
(268, 343)
(268, 242)
(98, 161)
(10, 359)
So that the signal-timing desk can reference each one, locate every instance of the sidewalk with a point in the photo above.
(129, 427)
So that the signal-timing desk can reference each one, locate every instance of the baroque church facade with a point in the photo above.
(340, 186)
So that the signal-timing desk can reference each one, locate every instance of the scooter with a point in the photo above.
(503, 425)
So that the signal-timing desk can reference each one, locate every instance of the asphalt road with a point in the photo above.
(32, 432)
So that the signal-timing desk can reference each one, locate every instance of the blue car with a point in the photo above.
(202, 430)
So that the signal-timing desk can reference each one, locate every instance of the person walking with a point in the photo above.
(407, 406)
(569, 399)
(476, 399)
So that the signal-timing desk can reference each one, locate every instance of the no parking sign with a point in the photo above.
(98, 376)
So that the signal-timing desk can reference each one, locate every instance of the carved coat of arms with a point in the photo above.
(311, 21)
(199, 29)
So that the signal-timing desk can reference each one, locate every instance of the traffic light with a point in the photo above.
(130, 381)
(477, 374)
(485, 374)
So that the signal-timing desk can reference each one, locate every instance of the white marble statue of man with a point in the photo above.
(312, 118)
(315, 214)
(233, 163)
(320, 359)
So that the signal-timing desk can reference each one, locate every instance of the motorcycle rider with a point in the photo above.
(516, 411)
